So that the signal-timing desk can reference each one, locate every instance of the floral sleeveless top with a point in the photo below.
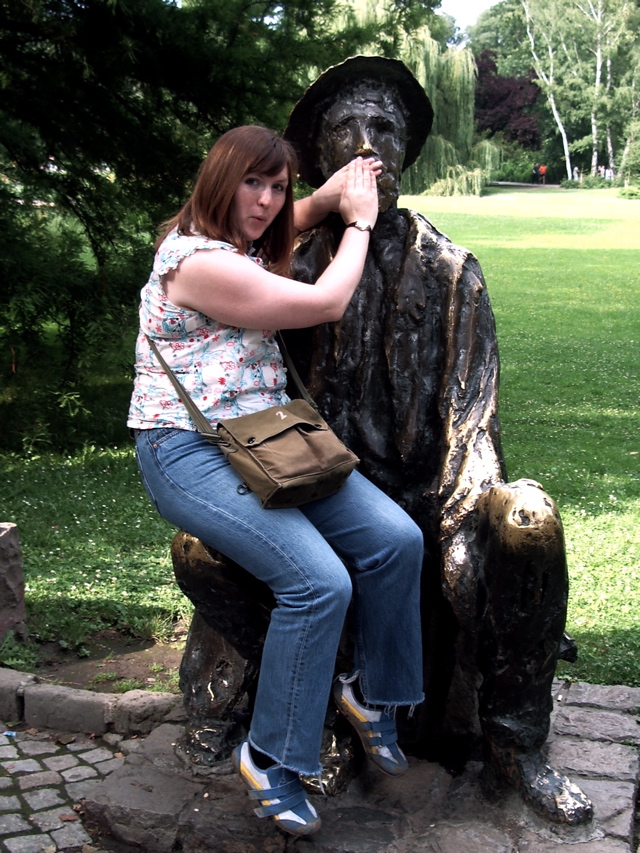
(227, 371)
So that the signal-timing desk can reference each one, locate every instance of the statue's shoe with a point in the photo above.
(548, 792)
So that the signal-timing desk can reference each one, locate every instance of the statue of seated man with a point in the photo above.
(409, 380)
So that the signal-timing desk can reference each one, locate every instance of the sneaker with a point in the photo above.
(375, 727)
(279, 792)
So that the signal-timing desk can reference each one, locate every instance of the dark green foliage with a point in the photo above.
(106, 110)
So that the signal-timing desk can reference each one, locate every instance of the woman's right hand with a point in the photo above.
(359, 198)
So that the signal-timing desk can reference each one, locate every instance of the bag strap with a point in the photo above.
(202, 424)
(294, 373)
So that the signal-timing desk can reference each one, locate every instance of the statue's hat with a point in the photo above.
(302, 127)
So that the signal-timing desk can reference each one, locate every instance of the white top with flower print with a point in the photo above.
(227, 371)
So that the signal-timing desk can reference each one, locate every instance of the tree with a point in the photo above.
(542, 21)
(502, 30)
(106, 109)
(448, 77)
(504, 104)
(575, 47)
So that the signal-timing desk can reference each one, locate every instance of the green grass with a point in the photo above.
(562, 271)
(95, 552)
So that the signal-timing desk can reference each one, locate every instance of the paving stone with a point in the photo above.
(38, 747)
(109, 766)
(469, 837)
(24, 765)
(10, 823)
(534, 844)
(597, 725)
(8, 752)
(51, 819)
(609, 798)
(76, 774)
(97, 755)
(39, 780)
(591, 758)
(615, 697)
(80, 743)
(71, 835)
(61, 762)
(142, 806)
(44, 798)
(29, 843)
(77, 791)
(5, 782)
(9, 804)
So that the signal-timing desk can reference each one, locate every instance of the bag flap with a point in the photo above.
(250, 430)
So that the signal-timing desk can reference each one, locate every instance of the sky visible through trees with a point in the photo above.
(465, 12)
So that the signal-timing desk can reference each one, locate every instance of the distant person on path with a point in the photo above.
(534, 174)
(542, 172)
(576, 173)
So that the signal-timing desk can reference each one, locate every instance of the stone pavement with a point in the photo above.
(123, 787)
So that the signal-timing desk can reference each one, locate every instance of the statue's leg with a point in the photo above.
(526, 583)
(221, 661)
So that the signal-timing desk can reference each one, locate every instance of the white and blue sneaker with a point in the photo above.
(375, 727)
(279, 791)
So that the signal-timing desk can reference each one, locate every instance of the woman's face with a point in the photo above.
(257, 202)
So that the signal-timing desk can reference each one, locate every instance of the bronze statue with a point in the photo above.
(409, 380)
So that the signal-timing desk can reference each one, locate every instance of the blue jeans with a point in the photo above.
(302, 554)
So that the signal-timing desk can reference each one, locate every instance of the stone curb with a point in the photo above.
(24, 698)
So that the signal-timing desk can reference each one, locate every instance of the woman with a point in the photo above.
(211, 305)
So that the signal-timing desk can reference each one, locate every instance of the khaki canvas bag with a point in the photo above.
(287, 455)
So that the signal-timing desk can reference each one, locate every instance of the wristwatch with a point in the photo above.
(360, 224)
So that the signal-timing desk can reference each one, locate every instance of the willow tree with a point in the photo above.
(448, 76)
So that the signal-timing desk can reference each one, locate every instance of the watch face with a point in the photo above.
(362, 225)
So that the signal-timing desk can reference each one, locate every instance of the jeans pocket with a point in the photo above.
(156, 437)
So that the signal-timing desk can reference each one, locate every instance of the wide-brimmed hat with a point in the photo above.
(302, 128)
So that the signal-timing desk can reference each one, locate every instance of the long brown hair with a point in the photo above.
(209, 209)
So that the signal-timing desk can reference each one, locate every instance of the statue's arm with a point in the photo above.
(472, 457)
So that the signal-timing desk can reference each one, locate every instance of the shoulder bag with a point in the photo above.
(287, 455)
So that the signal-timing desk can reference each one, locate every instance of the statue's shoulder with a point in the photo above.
(425, 234)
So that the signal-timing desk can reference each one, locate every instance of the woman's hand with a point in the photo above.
(326, 199)
(328, 196)
(359, 199)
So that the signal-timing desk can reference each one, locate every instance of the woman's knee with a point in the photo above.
(404, 535)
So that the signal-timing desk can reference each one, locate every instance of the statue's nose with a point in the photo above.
(364, 146)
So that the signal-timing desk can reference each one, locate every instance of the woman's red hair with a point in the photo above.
(209, 209)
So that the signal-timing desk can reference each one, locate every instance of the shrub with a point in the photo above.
(632, 192)
(459, 181)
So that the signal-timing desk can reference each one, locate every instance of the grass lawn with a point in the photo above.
(562, 272)
(562, 268)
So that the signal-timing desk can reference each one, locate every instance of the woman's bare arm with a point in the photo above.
(237, 292)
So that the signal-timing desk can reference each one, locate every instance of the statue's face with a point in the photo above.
(365, 122)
